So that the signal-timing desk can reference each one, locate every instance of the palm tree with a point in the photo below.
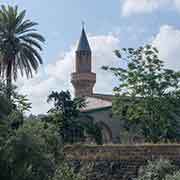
(19, 45)
(67, 122)
(64, 102)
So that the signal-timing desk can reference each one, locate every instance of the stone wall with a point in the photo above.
(103, 117)
(117, 162)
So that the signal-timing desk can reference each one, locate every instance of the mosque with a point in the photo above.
(99, 106)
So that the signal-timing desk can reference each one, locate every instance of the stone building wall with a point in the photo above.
(117, 162)
(104, 117)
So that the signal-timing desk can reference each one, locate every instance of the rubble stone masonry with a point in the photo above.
(117, 162)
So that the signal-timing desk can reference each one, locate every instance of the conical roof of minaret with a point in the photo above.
(83, 42)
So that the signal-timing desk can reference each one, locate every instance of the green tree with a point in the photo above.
(68, 106)
(66, 115)
(64, 172)
(157, 170)
(10, 112)
(18, 105)
(21, 103)
(147, 94)
(175, 176)
(19, 45)
(5, 110)
(29, 149)
(31, 152)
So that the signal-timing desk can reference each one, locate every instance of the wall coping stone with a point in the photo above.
(122, 152)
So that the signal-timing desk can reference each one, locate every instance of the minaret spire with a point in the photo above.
(83, 42)
(83, 79)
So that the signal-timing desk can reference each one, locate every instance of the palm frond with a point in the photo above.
(19, 43)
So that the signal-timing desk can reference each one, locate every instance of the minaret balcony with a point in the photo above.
(83, 77)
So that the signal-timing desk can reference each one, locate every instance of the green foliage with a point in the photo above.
(64, 172)
(19, 45)
(17, 102)
(157, 170)
(69, 107)
(131, 135)
(21, 102)
(175, 176)
(148, 94)
(12, 111)
(93, 130)
(15, 119)
(33, 151)
(66, 116)
(27, 155)
(30, 149)
(5, 105)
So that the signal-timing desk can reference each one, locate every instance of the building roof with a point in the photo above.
(83, 42)
(107, 97)
(94, 103)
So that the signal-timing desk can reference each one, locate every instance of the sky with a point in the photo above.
(110, 25)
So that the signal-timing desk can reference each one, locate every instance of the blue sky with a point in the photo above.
(110, 24)
(60, 21)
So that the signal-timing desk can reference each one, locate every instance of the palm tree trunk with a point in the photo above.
(9, 80)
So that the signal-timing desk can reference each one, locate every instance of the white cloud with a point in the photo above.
(130, 7)
(177, 4)
(168, 43)
(57, 76)
(103, 47)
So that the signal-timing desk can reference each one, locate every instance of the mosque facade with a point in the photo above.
(99, 106)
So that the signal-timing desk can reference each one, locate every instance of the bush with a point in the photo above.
(175, 176)
(64, 172)
(156, 170)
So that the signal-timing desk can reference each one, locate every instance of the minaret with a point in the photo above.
(83, 79)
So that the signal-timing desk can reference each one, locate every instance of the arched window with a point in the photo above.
(106, 133)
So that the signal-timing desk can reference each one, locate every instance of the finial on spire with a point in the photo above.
(83, 42)
(83, 24)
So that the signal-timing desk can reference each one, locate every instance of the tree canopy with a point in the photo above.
(148, 94)
(29, 149)
(159, 169)
(68, 118)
